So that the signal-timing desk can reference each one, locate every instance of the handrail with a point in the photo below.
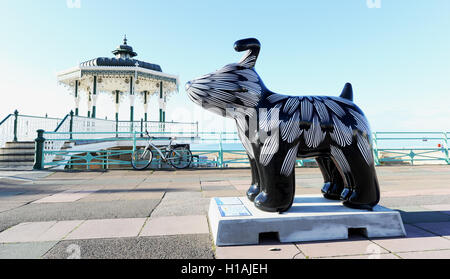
(62, 122)
(135, 121)
(385, 133)
(6, 118)
(39, 117)
(156, 122)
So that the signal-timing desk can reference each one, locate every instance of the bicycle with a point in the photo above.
(180, 157)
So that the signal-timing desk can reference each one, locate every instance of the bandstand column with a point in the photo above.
(162, 106)
(132, 97)
(77, 99)
(145, 105)
(117, 103)
(89, 104)
(94, 98)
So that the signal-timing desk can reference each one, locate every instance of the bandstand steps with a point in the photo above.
(20, 144)
(16, 155)
(12, 151)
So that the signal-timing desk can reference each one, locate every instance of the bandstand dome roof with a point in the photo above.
(124, 57)
(117, 62)
(113, 74)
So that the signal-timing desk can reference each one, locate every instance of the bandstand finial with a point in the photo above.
(125, 39)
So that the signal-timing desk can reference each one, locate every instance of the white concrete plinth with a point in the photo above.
(236, 221)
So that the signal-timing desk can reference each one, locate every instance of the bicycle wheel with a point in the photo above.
(141, 158)
(180, 157)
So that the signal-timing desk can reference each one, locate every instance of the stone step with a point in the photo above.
(16, 157)
(16, 165)
(20, 144)
(8, 151)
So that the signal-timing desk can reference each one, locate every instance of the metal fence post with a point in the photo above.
(446, 149)
(197, 129)
(221, 152)
(71, 124)
(134, 142)
(39, 151)
(16, 116)
(375, 149)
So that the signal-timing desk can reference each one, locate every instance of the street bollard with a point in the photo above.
(39, 151)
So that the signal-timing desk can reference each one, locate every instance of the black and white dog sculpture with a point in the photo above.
(277, 129)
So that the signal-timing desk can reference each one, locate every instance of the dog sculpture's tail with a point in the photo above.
(253, 46)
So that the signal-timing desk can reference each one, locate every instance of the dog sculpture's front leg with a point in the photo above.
(255, 188)
(277, 189)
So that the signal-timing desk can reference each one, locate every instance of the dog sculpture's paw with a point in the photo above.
(266, 202)
(253, 192)
(332, 191)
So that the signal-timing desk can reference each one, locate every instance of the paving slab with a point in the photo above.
(6, 206)
(442, 208)
(222, 193)
(366, 257)
(242, 187)
(66, 196)
(9, 193)
(416, 240)
(102, 196)
(38, 231)
(419, 214)
(441, 228)
(420, 192)
(182, 204)
(108, 228)
(413, 200)
(176, 225)
(353, 247)
(217, 187)
(25, 251)
(441, 254)
(78, 211)
(265, 251)
(142, 195)
(159, 247)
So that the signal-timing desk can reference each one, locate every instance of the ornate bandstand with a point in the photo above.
(120, 77)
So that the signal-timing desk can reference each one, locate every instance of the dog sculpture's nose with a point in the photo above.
(188, 85)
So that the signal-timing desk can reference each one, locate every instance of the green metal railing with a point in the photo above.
(99, 149)
(95, 155)
(411, 147)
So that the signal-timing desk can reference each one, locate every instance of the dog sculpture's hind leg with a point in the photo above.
(333, 182)
(361, 184)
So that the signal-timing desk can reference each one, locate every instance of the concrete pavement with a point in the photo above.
(162, 214)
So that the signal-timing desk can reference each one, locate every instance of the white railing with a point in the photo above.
(16, 127)
(7, 130)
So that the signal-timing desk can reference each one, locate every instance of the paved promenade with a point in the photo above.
(163, 214)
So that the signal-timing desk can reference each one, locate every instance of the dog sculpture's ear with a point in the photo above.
(253, 46)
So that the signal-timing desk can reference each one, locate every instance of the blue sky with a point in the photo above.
(396, 56)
